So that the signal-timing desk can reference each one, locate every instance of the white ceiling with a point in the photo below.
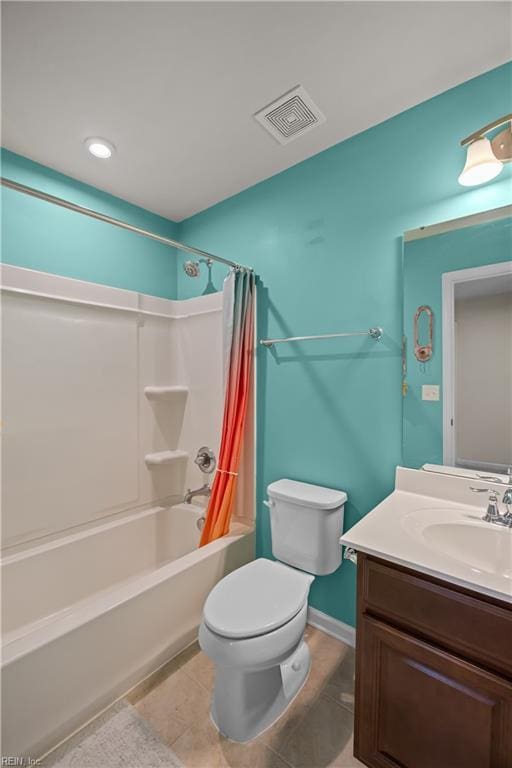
(174, 85)
(486, 286)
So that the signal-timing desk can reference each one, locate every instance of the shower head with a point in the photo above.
(191, 268)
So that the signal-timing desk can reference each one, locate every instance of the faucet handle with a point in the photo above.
(492, 514)
(205, 460)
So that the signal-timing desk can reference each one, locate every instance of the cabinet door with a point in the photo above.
(420, 707)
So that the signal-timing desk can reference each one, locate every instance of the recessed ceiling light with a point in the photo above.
(100, 148)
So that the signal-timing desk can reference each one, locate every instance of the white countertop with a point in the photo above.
(433, 524)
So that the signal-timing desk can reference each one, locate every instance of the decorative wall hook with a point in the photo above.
(423, 351)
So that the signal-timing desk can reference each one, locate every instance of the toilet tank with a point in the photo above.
(306, 524)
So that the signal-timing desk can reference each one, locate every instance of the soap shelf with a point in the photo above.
(161, 458)
(164, 393)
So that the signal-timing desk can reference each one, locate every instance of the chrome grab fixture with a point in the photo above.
(373, 333)
(493, 514)
(204, 490)
(205, 460)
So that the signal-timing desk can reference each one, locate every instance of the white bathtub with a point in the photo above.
(89, 615)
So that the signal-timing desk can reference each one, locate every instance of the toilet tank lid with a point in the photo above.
(306, 494)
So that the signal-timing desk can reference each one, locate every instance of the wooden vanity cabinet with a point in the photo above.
(433, 673)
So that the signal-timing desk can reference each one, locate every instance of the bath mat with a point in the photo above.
(120, 738)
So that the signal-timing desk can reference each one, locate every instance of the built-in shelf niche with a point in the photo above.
(161, 458)
(165, 392)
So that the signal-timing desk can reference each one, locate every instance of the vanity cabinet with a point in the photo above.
(433, 674)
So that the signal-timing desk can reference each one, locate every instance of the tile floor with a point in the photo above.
(315, 732)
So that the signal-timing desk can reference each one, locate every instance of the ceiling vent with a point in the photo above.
(292, 115)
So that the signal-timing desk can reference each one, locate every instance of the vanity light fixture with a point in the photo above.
(485, 157)
(99, 148)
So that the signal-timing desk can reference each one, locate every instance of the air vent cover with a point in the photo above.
(290, 116)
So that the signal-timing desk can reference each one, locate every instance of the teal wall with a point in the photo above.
(424, 263)
(38, 235)
(325, 238)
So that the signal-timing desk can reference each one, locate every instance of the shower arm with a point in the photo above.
(62, 203)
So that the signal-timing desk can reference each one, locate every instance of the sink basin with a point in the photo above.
(432, 523)
(464, 537)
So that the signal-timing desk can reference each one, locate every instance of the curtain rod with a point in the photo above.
(117, 223)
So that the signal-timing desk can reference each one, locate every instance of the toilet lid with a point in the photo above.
(256, 598)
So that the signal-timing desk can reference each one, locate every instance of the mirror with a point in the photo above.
(457, 347)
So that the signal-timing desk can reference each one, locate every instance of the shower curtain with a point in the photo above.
(239, 297)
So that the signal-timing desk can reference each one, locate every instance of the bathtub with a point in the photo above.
(88, 615)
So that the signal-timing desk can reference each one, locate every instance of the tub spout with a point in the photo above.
(205, 490)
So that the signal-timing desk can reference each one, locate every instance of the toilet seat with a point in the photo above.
(256, 599)
(253, 653)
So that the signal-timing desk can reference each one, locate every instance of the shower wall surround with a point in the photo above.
(78, 424)
(325, 238)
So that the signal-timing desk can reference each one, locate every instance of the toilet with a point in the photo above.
(254, 619)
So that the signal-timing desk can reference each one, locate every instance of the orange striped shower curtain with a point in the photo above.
(239, 298)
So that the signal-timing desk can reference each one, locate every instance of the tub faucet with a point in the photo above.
(204, 490)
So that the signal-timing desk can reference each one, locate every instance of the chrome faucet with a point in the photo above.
(204, 490)
(493, 514)
(507, 496)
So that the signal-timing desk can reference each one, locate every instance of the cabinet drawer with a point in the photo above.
(475, 628)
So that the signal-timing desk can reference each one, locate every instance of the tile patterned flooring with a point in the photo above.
(315, 732)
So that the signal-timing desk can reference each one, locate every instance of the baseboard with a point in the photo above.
(333, 627)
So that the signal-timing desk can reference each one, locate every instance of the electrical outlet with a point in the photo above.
(430, 391)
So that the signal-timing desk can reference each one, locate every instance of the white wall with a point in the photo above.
(483, 359)
(201, 360)
(77, 424)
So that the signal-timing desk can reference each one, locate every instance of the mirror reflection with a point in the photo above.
(457, 351)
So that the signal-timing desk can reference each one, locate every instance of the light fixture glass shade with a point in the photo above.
(481, 164)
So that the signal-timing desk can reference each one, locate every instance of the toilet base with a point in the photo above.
(246, 703)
